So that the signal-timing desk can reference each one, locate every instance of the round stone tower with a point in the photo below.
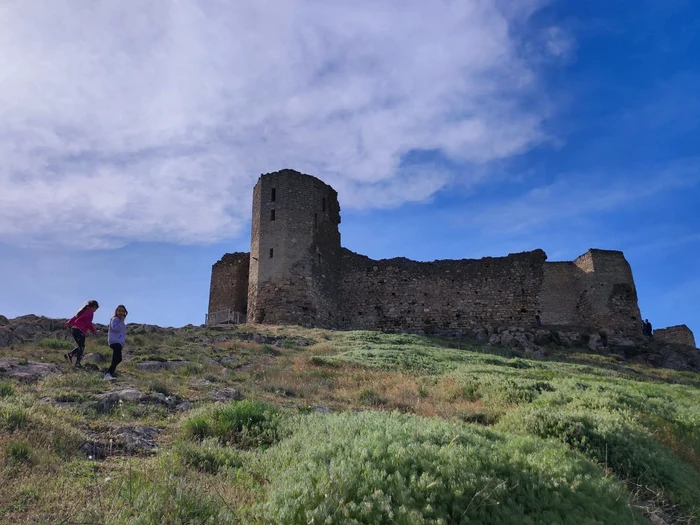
(294, 251)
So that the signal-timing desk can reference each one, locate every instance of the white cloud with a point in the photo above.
(149, 120)
(584, 195)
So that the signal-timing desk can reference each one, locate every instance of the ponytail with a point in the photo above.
(90, 304)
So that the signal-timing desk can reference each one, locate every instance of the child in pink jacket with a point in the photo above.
(80, 323)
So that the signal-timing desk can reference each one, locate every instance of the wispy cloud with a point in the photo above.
(143, 120)
(583, 195)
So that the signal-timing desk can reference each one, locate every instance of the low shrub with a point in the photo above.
(371, 398)
(208, 456)
(56, 344)
(19, 452)
(159, 387)
(378, 468)
(13, 418)
(628, 450)
(243, 423)
(7, 389)
(323, 361)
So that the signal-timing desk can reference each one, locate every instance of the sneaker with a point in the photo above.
(78, 365)
(69, 358)
(109, 377)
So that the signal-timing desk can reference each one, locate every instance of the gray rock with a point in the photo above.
(4, 320)
(184, 406)
(5, 337)
(543, 337)
(162, 399)
(595, 342)
(674, 361)
(157, 366)
(226, 394)
(621, 341)
(128, 394)
(495, 339)
(93, 450)
(25, 371)
(135, 438)
(94, 357)
(569, 339)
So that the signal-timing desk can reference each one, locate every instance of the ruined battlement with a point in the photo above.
(297, 273)
(679, 334)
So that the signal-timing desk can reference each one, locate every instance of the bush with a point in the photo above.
(209, 456)
(371, 398)
(18, 452)
(159, 387)
(7, 389)
(629, 451)
(322, 361)
(376, 468)
(244, 423)
(56, 344)
(13, 418)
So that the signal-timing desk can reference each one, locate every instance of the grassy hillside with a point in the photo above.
(309, 426)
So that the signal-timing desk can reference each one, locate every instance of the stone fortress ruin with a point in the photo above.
(298, 273)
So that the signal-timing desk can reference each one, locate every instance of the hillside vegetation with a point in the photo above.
(288, 425)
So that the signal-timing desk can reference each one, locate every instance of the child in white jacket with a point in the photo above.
(116, 339)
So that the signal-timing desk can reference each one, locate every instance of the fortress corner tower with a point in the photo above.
(294, 250)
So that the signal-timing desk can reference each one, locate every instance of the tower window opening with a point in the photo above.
(273, 194)
(323, 204)
(272, 215)
(271, 253)
(319, 258)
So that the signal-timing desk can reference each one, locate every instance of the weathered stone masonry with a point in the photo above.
(297, 273)
(679, 334)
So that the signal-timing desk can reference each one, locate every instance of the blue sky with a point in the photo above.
(131, 136)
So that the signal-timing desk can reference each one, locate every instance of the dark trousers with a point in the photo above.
(80, 341)
(116, 357)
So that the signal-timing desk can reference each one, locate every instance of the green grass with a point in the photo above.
(574, 438)
(18, 452)
(7, 389)
(56, 344)
(243, 423)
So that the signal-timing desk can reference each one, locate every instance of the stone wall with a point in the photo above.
(295, 246)
(679, 334)
(559, 296)
(450, 294)
(595, 290)
(608, 296)
(229, 283)
(299, 274)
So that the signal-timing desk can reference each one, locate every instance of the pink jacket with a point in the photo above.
(83, 322)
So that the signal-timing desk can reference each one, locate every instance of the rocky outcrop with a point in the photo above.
(534, 342)
(34, 328)
(25, 371)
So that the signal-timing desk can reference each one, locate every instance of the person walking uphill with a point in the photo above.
(80, 323)
(116, 339)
